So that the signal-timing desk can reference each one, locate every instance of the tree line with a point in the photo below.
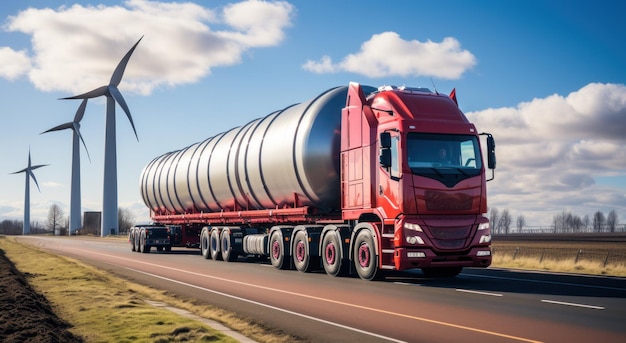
(58, 222)
(564, 222)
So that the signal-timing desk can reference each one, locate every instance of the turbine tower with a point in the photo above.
(75, 203)
(113, 95)
(29, 173)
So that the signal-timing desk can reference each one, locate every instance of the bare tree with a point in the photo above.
(125, 219)
(586, 222)
(521, 222)
(611, 221)
(504, 223)
(493, 219)
(55, 217)
(598, 221)
(11, 227)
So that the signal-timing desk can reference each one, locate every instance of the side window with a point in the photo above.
(468, 157)
(395, 161)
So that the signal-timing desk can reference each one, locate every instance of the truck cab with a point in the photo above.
(427, 203)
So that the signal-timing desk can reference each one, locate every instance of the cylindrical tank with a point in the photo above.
(267, 163)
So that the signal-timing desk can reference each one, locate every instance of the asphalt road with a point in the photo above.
(480, 305)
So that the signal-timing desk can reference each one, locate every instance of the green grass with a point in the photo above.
(105, 308)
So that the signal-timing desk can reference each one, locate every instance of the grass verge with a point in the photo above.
(591, 258)
(105, 308)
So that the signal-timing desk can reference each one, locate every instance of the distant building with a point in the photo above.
(91, 223)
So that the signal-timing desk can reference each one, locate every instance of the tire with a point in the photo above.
(301, 253)
(168, 248)
(364, 256)
(160, 248)
(332, 258)
(204, 244)
(131, 238)
(137, 242)
(226, 249)
(144, 247)
(214, 241)
(447, 272)
(277, 251)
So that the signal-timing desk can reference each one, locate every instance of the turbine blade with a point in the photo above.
(77, 132)
(91, 94)
(21, 171)
(80, 112)
(116, 78)
(38, 166)
(115, 93)
(34, 179)
(59, 128)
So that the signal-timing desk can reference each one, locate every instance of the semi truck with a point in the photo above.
(356, 180)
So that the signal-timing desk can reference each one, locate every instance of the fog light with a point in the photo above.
(483, 253)
(415, 254)
(414, 240)
(485, 239)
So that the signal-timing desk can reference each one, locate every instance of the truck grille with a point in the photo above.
(449, 238)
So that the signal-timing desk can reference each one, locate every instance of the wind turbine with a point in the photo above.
(75, 203)
(113, 95)
(29, 173)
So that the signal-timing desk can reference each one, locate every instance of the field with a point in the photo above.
(595, 254)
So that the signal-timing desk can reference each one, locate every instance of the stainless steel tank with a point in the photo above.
(266, 163)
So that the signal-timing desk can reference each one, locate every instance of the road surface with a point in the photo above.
(478, 306)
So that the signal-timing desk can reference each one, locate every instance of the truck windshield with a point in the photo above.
(443, 154)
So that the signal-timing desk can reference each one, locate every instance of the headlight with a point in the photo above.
(483, 226)
(414, 227)
(483, 253)
(414, 254)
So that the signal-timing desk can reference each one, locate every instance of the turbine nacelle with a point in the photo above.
(111, 90)
(74, 125)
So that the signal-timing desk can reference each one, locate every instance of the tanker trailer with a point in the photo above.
(328, 183)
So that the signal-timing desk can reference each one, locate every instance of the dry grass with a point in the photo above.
(105, 308)
(593, 258)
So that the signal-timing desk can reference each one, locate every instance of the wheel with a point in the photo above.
(277, 251)
(137, 242)
(227, 250)
(301, 253)
(215, 245)
(168, 248)
(159, 248)
(447, 272)
(365, 259)
(331, 254)
(204, 244)
(145, 248)
(131, 239)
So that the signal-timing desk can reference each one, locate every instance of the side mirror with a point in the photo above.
(385, 157)
(385, 150)
(491, 152)
(385, 140)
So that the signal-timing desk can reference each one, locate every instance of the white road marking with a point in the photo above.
(477, 292)
(573, 304)
(422, 319)
(268, 306)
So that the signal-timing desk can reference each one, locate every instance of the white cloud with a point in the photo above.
(386, 54)
(13, 64)
(551, 151)
(76, 48)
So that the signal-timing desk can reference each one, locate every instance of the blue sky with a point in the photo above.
(546, 78)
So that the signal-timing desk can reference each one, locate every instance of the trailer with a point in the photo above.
(357, 180)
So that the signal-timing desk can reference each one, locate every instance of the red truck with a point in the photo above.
(357, 179)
